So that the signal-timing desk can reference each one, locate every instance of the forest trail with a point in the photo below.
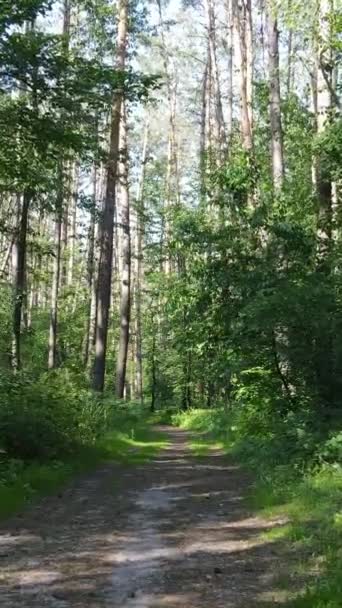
(174, 532)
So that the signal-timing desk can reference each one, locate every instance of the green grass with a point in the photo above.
(132, 442)
(310, 500)
(314, 508)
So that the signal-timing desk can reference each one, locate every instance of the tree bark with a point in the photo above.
(125, 292)
(324, 106)
(229, 46)
(139, 274)
(243, 27)
(91, 268)
(60, 226)
(277, 151)
(107, 219)
(19, 259)
(52, 356)
(219, 120)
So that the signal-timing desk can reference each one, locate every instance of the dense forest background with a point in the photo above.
(170, 224)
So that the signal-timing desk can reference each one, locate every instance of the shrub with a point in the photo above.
(46, 418)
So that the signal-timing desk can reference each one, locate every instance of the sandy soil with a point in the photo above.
(175, 532)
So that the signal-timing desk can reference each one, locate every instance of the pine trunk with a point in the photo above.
(277, 153)
(107, 219)
(18, 266)
(125, 291)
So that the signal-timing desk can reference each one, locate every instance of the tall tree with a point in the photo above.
(62, 187)
(125, 291)
(242, 11)
(139, 266)
(324, 72)
(106, 228)
(277, 150)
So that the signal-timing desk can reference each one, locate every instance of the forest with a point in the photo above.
(171, 246)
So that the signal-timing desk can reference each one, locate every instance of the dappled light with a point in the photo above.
(175, 532)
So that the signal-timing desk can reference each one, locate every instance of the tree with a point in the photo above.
(275, 101)
(125, 292)
(107, 218)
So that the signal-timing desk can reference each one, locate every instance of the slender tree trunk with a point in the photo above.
(277, 152)
(230, 55)
(243, 29)
(73, 223)
(107, 219)
(289, 76)
(325, 343)
(56, 273)
(153, 374)
(324, 106)
(219, 120)
(19, 259)
(139, 275)
(203, 137)
(91, 275)
(125, 292)
(60, 225)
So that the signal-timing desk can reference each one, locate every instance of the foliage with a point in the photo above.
(127, 439)
(48, 417)
(300, 486)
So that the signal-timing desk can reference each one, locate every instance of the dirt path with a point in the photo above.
(171, 533)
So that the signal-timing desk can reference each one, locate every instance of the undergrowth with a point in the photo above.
(306, 490)
(128, 440)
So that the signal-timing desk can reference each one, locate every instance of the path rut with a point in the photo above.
(175, 532)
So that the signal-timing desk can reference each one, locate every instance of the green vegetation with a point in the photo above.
(171, 226)
(128, 439)
(307, 493)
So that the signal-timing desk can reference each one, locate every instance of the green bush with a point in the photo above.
(46, 418)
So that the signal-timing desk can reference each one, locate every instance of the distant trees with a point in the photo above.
(182, 249)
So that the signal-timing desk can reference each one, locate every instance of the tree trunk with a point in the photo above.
(139, 275)
(73, 223)
(107, 219)
(220, 134)
(60, 225)
(52, 356)
(324, 106)
(91, 274)
(277, 153)
(125, 292)
(243, 27)
(19, 259)
(229, 46)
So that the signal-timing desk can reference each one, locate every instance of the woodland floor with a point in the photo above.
(175, 532)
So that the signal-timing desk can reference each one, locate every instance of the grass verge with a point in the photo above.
(310, 500)
(132, 441)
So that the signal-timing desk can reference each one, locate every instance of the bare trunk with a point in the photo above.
(243, 29)
(73, 224)
(289, 77)
(220, 134)
(139, 275)
(203, 137)
(125, 292)
(60, 224)
(324, 106)
(91, 274)
(19, 259)
(107, 219)
(52, 356)
(277, 153)
(230, 51)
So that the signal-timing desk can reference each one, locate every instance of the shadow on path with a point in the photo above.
(171, 533)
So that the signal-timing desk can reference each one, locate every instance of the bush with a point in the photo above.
(49, 417)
